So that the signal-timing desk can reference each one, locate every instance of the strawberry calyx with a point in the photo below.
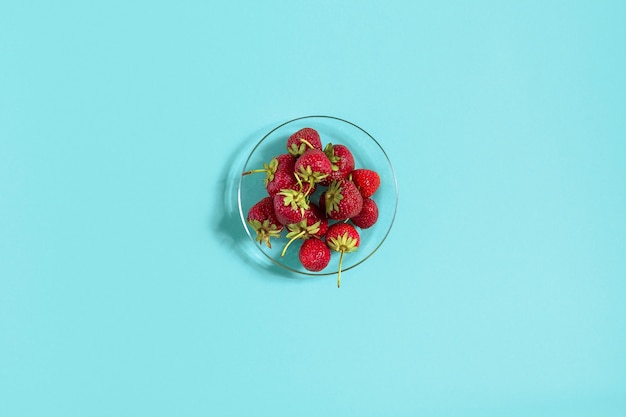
(297, 149)
(307, 175)
(268, 169)
(296, 199)
(329, 150)
(333, 197)
(303, 226)
(264, 231)
(343, 243)
(301, 230)
(271, 170)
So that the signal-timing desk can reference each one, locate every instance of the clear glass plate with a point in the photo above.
(367, 153)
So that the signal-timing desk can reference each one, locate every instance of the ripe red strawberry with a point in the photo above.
(313, 224)
(368, 215)
(312, 166)
(314, 255)
(342, 238)
(283, 179)
(278, 173)
(262, 219)
(342, 162)
(342, 200)
(303, 139)
(290, 205)
(366, 180)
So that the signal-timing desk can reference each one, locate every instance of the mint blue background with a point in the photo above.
(125, 288)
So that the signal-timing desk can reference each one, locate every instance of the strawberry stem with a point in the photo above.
(339, 273)
(307, 143)
(291, 241)
(299, 182)
(253, 171)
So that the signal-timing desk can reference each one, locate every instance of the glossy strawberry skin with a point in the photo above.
(283, 179)
(342, 200)
(366, 180)
(368, 215)
(262, 210)
(299, 142)
(285, 161)
(314, 255)
(342, 162)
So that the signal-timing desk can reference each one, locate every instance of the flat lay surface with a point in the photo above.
(129, 287)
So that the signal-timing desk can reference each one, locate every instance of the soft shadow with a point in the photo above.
(230, 226)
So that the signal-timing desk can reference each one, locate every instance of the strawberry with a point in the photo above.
(342, 238)
(278, 173)
(314, 255)
(290, 205)
(312, 166)
(303, 139)
(313, 224)
(366, 180)
(342, 162)
(342, 200)
(368, 215)
(283, 179)
(262, 219)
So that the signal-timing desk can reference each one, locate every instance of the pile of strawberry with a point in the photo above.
(293, 179)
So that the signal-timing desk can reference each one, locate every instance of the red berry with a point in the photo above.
(303, 139)
(314, 255)
(312, 166)
(283, 179)
(289, 206)
(278, 173)
(342, 162)
(262, 219)
(342, 237)
(368, 215)
(342, 200)
(366, 180)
